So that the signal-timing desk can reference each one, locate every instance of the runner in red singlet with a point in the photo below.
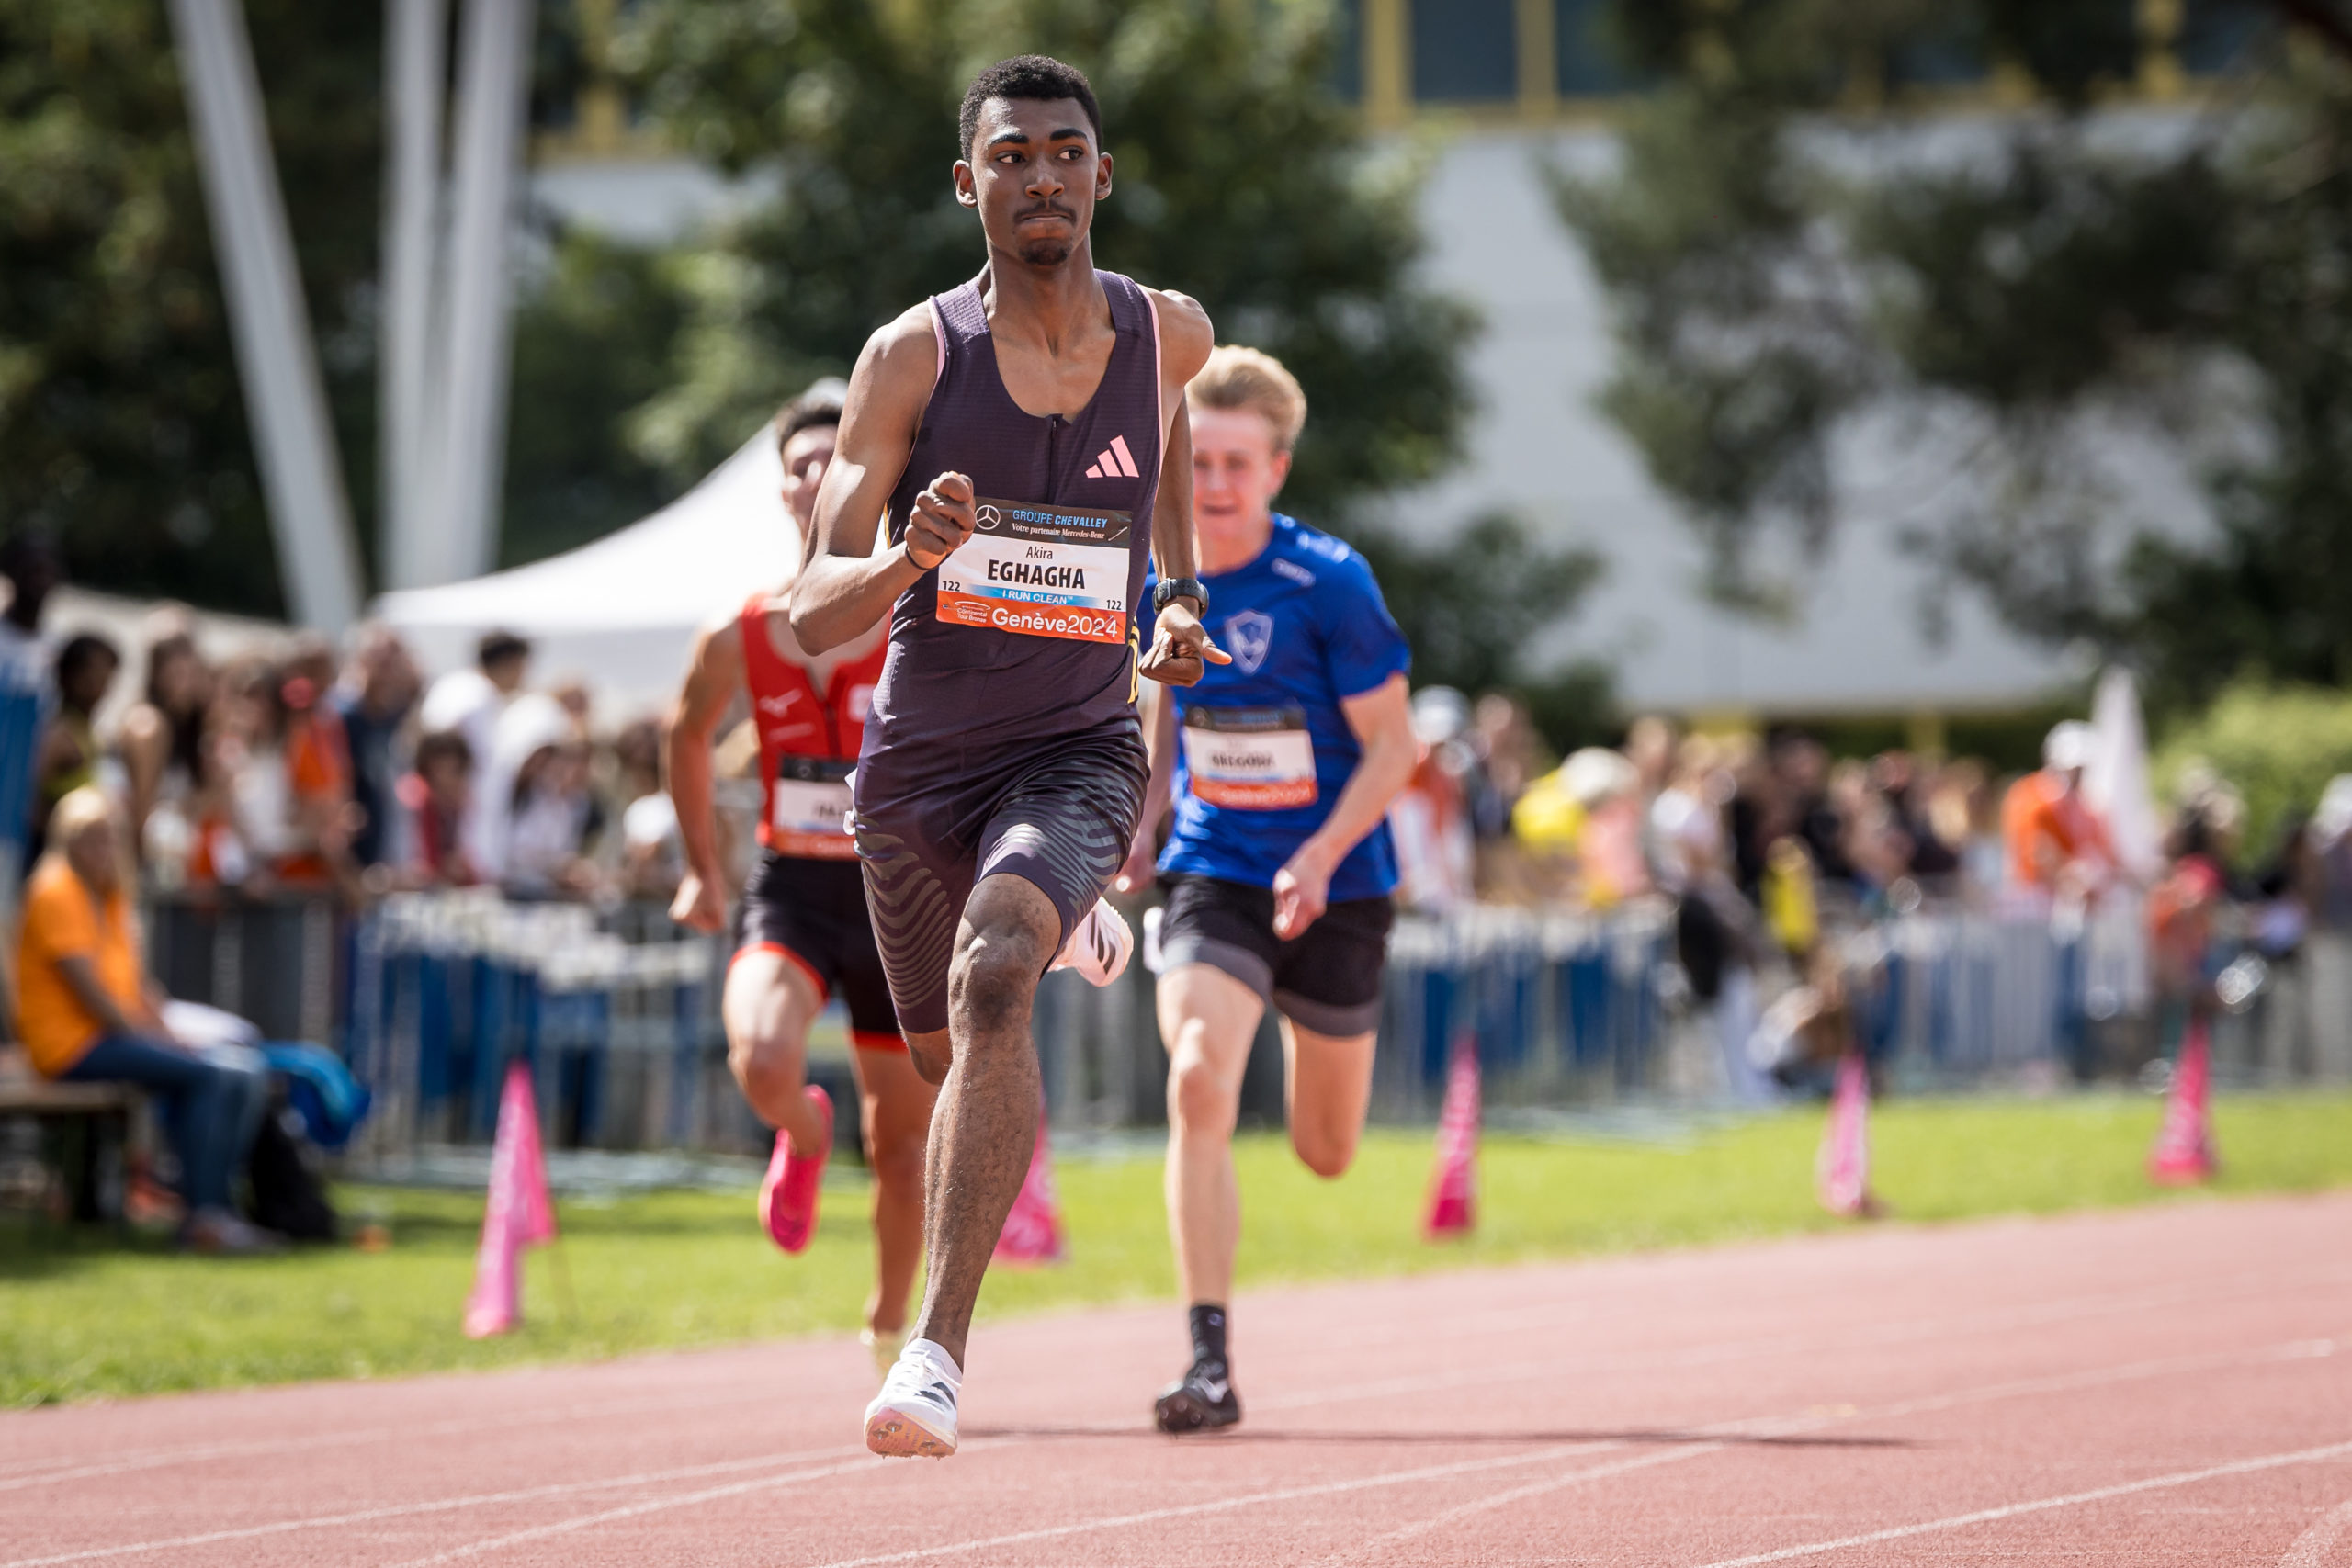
(801, 929)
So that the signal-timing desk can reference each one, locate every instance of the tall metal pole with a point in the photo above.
(310, 513)
(466, 424)
(416, 72)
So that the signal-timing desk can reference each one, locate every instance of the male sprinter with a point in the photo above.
(802, 930)
(1278, 866)
(1013, 431)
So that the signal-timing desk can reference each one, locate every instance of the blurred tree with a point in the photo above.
(1474, 609)
(2022, 303)
(1241, 179)
(593, 341)
(122, 428)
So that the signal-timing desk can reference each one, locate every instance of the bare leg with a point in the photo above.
(1207, 1020)
(1326, 1083)
(986, 1125)
(767, 1007)
(897, 1104)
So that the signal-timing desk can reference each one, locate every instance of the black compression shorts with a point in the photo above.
(813, 912)
(1326, 978)
(1057, 813)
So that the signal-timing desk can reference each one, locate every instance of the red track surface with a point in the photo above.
(2165, 1386)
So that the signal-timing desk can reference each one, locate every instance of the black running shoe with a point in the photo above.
(1200, 1401)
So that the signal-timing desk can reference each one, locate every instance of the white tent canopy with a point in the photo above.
(620, 613)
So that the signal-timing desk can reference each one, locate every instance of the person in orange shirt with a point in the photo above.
(2055, 841)
(87, 1013)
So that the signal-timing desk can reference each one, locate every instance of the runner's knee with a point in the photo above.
(765, 1064)
(1326, 1151)
(1199, 1099)
(897, 1155)
(994, 978)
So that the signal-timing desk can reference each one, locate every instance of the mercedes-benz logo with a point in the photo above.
(987, 517)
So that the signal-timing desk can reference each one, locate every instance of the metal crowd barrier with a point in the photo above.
(429, 996)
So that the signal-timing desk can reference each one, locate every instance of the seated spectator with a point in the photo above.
(87, 1013)
(69, 745)
(436, 797)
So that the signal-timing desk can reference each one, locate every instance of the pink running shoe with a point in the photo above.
(789, 1196)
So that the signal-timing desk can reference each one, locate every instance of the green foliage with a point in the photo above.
(82, 1315)
(593, 341)
(1238, 180)
(1472, 608)
(122, 425)
(2277, 745)
(1785, 263)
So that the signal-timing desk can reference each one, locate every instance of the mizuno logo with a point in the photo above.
(1216, 1389)
(778, 704)
(1116, 462)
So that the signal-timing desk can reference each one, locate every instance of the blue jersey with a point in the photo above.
(1262, 748)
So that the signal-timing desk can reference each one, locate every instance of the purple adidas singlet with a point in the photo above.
(1030, 631)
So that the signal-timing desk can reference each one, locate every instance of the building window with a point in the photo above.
(1943, 56)
(1465, 51)
(2217, 36)
(1590, 61)
(1346, 50)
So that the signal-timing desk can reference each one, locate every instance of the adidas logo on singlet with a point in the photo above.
(1115, 462)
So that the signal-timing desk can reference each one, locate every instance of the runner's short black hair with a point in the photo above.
(820, 404)
(1038, 77)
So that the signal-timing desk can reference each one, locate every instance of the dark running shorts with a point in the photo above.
(813, 912)
(1326, 979)
(1058, 814)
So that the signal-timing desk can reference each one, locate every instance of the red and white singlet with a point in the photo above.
(809, 743)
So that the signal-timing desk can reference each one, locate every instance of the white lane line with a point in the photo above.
(2294, 1351)
(1889, 1334)
(2043, 1504)
(2311, 1547)
(633, 1510)
(436, 1506)
(197, 1452)
(1226, 1505)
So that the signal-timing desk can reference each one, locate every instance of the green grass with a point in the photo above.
(86, 1314)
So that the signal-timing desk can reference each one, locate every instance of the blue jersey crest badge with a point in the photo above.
(1248, 637)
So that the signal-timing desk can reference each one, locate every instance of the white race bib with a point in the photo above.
(1250, 759)
(809, 808)
(1039, 570)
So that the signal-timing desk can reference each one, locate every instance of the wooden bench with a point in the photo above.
(90, 1124)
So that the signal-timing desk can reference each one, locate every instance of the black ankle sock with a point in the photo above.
(1208, 1333)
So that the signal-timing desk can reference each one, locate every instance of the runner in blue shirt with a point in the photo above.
(1279, 865)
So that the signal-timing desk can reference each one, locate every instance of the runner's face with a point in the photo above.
(1035, 173)
(1236, 472)
(805, 459)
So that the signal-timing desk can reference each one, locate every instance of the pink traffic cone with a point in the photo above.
(519, 1213)
(1453, 1185)
(1841, 1172)
(1032, 1231)
(2184, 1153)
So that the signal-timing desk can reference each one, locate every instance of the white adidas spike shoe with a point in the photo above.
(1099, 945)
(914, 1415)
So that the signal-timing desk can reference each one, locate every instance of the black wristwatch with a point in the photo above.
(1179, 588)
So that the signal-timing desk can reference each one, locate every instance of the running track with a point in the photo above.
(2167, 1386)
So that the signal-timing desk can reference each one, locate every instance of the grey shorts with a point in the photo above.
(1058, 814)
(1326, 978)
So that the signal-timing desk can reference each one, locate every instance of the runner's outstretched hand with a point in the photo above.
(1179, 645)
(943, 519)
